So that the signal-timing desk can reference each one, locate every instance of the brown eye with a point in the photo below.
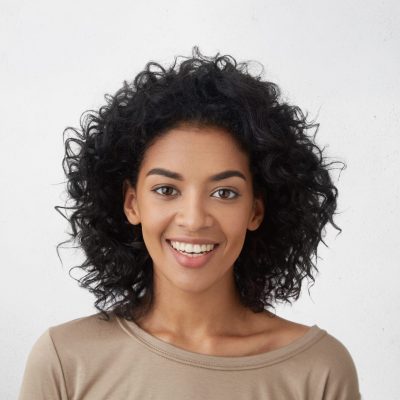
(165, 190)
(227, 190)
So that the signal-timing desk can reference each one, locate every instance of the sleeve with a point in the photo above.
(341, 382)
(43, 377)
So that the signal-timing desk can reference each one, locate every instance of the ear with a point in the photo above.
(131, 208)
(257, 214)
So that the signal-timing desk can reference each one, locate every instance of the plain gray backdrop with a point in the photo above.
(337, 60)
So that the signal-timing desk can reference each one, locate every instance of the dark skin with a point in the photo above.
(199, 309)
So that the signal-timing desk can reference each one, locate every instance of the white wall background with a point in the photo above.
(339, 60)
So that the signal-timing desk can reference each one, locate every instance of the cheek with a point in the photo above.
(154, 223)
(235, 229)
(234, 222)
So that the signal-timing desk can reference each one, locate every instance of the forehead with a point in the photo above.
(187, 146)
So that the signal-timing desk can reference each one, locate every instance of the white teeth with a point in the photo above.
(192, 248)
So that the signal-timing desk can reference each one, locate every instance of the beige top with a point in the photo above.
(92, 359)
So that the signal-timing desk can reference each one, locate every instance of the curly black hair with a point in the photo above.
(288, 169)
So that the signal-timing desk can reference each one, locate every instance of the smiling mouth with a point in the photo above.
(192, 254)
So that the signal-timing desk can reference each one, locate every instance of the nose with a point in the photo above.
(193, 213)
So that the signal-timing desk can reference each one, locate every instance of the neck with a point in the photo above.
(191, 315)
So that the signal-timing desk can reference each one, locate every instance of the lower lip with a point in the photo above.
(192, 262)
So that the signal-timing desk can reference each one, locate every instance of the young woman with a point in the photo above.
(199, 200)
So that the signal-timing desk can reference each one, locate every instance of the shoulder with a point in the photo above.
(81, 341)
(333, 367)
(63, 350)
(325, 349)
(326, 358)
(83, 327)
(85, 334)
(78, 332)
(333, 354)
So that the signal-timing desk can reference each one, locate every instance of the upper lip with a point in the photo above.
(192, 240)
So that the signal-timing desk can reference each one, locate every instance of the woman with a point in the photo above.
(199, 200)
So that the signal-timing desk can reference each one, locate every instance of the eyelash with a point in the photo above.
(230, 190)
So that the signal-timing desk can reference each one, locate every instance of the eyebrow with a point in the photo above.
(214, 178)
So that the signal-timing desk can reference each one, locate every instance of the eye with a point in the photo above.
(163, 187)
(228, 190)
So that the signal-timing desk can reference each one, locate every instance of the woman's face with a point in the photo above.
(186, 203)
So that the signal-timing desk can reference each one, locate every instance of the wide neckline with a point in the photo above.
(172, 352)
